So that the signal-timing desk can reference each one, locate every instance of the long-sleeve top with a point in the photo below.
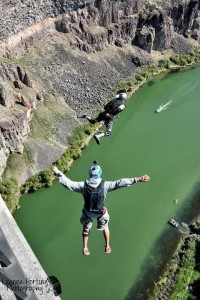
(109, 186)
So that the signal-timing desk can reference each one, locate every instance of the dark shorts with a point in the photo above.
(109, 126)
(108, 121)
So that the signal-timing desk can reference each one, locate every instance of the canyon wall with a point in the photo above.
(59, 58)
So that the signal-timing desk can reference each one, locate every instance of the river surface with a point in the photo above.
(166, 146)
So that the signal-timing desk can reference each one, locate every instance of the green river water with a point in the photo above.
(164, 145)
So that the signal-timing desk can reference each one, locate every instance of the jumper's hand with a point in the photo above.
(144, 178)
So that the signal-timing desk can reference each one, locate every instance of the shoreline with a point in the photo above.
(131, 90)
(166, 265)
(168, 275)
(91, 137)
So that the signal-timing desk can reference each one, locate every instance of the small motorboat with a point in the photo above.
(173, 222)
(159, 109)
(163, 107)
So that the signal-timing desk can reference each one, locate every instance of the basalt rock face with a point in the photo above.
(92, 25)
(15, 112)
(158, 26)
(77, 52)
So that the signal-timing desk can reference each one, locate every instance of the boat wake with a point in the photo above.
(163, 107)
(178, 96)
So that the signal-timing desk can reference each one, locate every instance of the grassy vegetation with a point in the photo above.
(14, 165)
(76, 144)
(21, 61)
(189, 275)
(43, 128)
(165, 64)
(42, 179)
(10, 193)
(76, 141)
(47, 117)
(182, 277)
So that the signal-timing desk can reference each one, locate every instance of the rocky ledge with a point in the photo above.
(60, 58)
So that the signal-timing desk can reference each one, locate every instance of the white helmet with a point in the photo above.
(121, 96)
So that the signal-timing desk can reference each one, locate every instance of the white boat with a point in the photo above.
(159, 109)
(173, 222)
(163, 106)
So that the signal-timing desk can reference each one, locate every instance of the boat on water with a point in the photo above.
(173, 222)
(163, 107)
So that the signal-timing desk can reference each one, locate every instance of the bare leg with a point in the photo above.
(106, 234)
(85, 234)
(85, 242)
(85, 250)
(100, 135)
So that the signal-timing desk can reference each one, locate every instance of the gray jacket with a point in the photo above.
(109, 186)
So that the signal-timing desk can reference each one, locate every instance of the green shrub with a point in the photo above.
(10, 192)
(129, 84)
(32, 184)
(175, 60)
(182, 61)
(88, 129)
(139, 78)
(145, 74)
(196, 58)
(77, 137)
(167, 65)
(62, 165)
(46, 177)
(42, 179)
(164, 64)
(122, 86)
(152, 69)
(75, 152)
(188, 58)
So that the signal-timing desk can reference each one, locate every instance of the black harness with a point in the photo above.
(94, 197)
(112, 106)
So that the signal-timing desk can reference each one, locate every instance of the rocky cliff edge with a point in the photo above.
(59, 58)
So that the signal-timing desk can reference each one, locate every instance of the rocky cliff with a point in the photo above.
(59, 58)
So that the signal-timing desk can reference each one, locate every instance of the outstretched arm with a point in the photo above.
(69, 184)
(124, 182)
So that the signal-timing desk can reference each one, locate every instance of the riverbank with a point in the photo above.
(180, 279)
(136, 107)
(82, 134)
